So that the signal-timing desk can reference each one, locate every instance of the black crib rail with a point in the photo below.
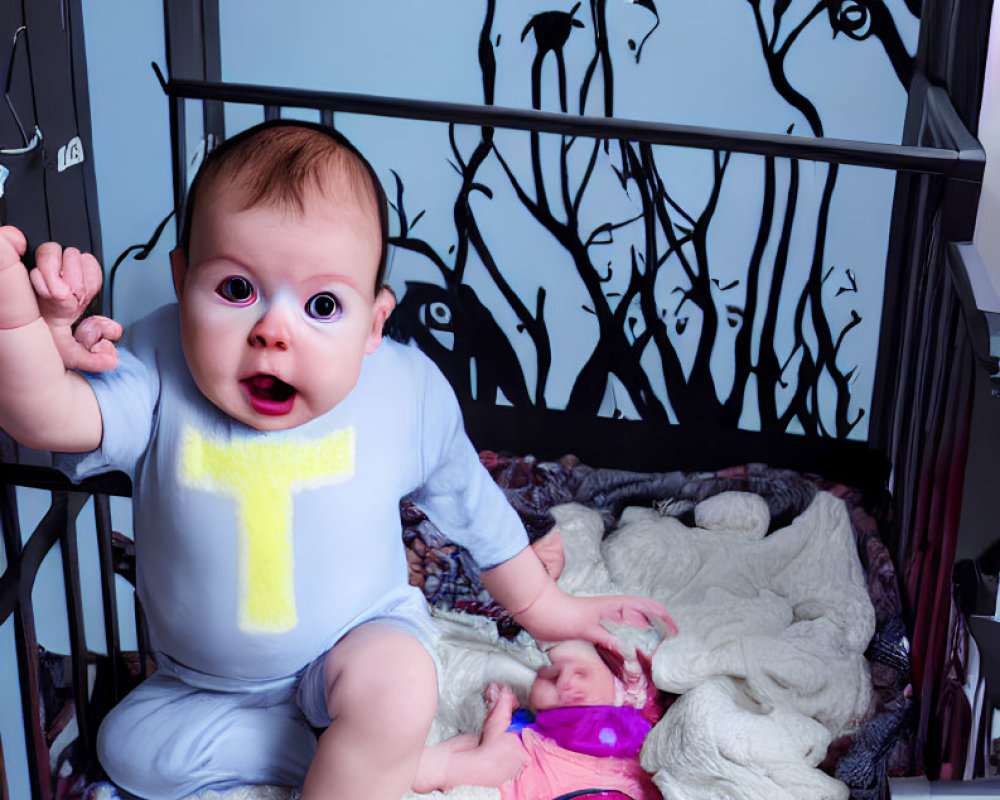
(59, 527)
(944, 167)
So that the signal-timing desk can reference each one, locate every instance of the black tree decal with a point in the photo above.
(668, 254)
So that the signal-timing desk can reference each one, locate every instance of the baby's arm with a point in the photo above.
(42, 405)
(65, 288)
(459, 494)
(523, 586)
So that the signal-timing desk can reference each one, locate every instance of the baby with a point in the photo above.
(590, 711)
(269, 433)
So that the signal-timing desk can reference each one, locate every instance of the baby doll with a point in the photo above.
(590, 710)
(269, 434)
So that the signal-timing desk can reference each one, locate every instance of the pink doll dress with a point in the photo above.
(575, 749)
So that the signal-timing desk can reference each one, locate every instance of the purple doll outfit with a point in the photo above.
(616, 731)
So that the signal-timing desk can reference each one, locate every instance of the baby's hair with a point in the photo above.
(274, 161)
(636, 675)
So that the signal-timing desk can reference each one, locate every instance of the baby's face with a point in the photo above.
(577, 677)
(276, 306)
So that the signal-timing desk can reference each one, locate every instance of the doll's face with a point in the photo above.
(276, 305)
(577, 676)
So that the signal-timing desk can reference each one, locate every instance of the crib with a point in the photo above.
(922, 471)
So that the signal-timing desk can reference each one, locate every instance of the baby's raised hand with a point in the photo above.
(94, 350)
(12, 246)
(17, 300)
(65, 281)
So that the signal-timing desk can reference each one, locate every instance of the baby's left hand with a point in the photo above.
(65, 281)
(557, 616)
(92, 349)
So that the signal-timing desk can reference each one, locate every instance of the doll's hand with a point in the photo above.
(499, 756)
(65, 281)
(557, 616)
(490, 759)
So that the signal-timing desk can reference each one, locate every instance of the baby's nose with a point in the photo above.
(568, 687)
(271, 330)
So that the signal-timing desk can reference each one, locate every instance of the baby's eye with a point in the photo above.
(323, 306)
(237, 289)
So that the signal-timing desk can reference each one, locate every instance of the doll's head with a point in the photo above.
(582, 674)
(279, 273)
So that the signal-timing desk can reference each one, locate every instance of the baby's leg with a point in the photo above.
(168, 740)
(381, 691)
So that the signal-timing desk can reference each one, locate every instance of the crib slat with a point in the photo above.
(178, 148)
(109, 596)
(74, 613)
(4, 788)
(12, 550)
(22, 565)
(26, 645)
(142, 634)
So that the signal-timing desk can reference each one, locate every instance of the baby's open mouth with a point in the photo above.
(269, 395)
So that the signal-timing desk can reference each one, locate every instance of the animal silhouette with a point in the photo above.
(552, 30)
(461, 336)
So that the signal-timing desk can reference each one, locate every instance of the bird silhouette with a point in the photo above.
(552, 30)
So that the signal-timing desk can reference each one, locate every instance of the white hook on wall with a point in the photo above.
(16, 151)
(36, 140)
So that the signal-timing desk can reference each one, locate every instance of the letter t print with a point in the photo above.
(261, 477)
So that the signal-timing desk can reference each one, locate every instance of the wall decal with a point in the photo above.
(668, 331)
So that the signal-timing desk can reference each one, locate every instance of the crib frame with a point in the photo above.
(936, 334)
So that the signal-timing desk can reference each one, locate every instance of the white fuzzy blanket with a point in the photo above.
(770, 655)
(769, 659)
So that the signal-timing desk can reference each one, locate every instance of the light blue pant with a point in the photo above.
(173, 737)
(167, 740)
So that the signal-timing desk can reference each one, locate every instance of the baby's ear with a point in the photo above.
(178, 266)
(385, 302)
